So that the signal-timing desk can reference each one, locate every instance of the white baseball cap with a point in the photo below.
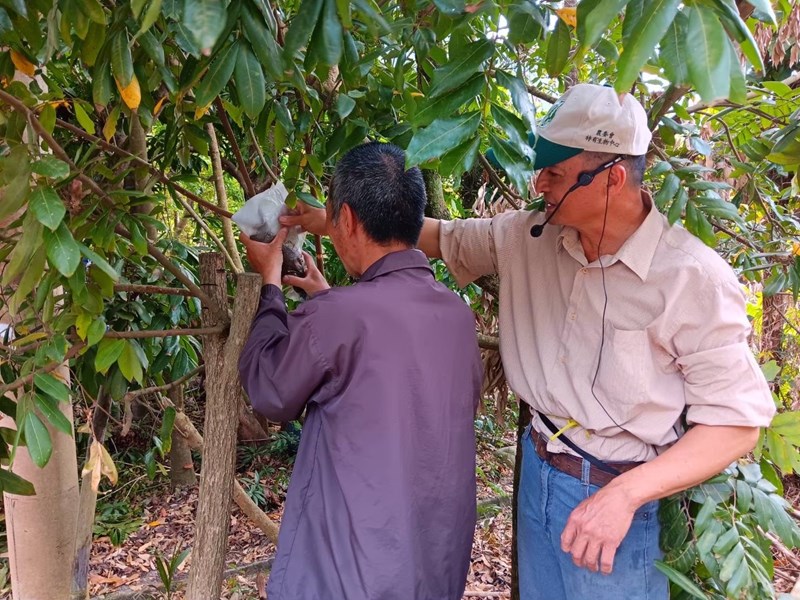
(594, 118)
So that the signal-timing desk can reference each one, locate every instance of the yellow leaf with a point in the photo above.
(796, 248)
(200, 111)
(109, 469)
(23, 64)
(132, 94)
(93, 466)
(155, 523)
(569, 15)
(158, 106)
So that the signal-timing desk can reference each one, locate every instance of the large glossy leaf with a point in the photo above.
(250, 84)
(11, 483)
(447, 104)
(47, 207)
(674, 54)
(99, 262)
(649, 29)
(52, 387)
(218, 75)
(460, 159)
(765, 8)
(681, 580)
(52, 412)
(709, 61)
(301, 27)
(28, 244)
(326, 42)
(108, 351)
(513, 127)
(439, 137)
(633, 12)
(518, 167)
(63, 252)
(558, 47)
(51, 167)
(129, 362)
(594, 17)
(205, 20)
(729, 15)
(263, 44)
(460, 68)
(121, 59)
(519, 96)
(37, 439)
(525, 22)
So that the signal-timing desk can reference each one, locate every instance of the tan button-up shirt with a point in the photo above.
(674, 337)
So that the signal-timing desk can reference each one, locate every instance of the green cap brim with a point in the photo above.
(549, 153)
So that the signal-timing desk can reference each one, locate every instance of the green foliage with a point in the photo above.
(168, 568)
(117, 520)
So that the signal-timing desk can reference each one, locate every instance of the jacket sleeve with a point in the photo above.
(281, 365)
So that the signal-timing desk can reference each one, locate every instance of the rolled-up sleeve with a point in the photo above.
(281, 365)
(723, 383)
(468, 248)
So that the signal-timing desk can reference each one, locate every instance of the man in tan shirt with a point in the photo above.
(618, 329)
(621, 331)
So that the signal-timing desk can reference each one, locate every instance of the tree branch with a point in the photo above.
(165, 387)
(159, 333)
(226, 125)
(18, 383)
(152, 289)
(537, 93)
(488, 342)
(222, 199)
(509, 194)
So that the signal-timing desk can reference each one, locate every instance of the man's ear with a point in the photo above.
(348, 219)
(617, 176)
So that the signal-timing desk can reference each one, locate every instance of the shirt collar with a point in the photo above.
(397, 261)
(638, 250)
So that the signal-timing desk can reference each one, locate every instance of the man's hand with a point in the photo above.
(266, 259)
(310, 219)
(313, 282)
(596, 528)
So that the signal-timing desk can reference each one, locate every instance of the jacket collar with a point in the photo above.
(397, 261)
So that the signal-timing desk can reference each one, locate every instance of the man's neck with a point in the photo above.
(599, 240)
(374, 252)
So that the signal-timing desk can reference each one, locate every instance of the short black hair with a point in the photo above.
(386, 198)
(636, 164)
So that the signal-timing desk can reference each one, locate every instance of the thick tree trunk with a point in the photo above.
(773, 319)
(181, 471)
(436, 207)
(41, 528)
(223, 394)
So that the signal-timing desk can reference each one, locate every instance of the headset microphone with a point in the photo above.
(584, 178)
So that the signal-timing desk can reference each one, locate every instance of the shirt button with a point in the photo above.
(584, 271)
(562, 358)
(572, 317)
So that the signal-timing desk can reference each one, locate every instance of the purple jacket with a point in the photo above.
(381, 504)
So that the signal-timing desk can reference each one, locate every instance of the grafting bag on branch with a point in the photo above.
(258, 218)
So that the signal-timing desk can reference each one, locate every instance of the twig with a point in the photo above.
(222, 199)
(263, 158)
(165, 387)
(488, 342)
(788, 554)
(152, 289)
(159, 175)
(159, 333)
(504, 189)
(536, 92)
(735, 236)
(226, 125)
(18, 383)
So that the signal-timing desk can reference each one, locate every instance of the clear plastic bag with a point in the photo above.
(258, 218)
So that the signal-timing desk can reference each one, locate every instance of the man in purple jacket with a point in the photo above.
(381, 504)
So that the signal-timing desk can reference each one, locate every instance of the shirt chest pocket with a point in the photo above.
(626, 365)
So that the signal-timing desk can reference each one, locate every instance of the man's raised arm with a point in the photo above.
(429, 238)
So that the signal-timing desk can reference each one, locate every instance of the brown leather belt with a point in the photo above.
(573, 465)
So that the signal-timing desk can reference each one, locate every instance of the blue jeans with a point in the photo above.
(547, 497)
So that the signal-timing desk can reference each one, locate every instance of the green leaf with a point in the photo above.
(765, 7)
(98, 261)
(51, 167)
(108, 351)
(525, 23)
(514, 128)
(37, 440)
(775, 284)
(167, 424)
(460, 68)
(250, 83)
(23, 252)
(460, 159)
(732, 562)
(52, 386)
(439, 137)
(594, 16)
(558, 49)
(780, 451)
(150, 17)
(94, 10)
(326, 42)
(301, 27)
(634, 11)
(63, 253)
(709, 61)
(784, 423)
(205, 20)
(681, 580)
(129, 364)
(729, 14)
(697, 223)
(50, 410)
(11, 483)
(518, 167)
(519, 96)
(102, 85)
(649, 30)
(744, 496)
(307, 198)
(451, 8)
(669, 188)
(47, 207)
(121, 59)
(738, 91)
(448, 104)
(263, 44)
(83, 118)
(717, 207)
(218, 75)
(344, 105)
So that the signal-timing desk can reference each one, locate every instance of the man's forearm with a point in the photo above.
(429, 238)
(701, 453)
